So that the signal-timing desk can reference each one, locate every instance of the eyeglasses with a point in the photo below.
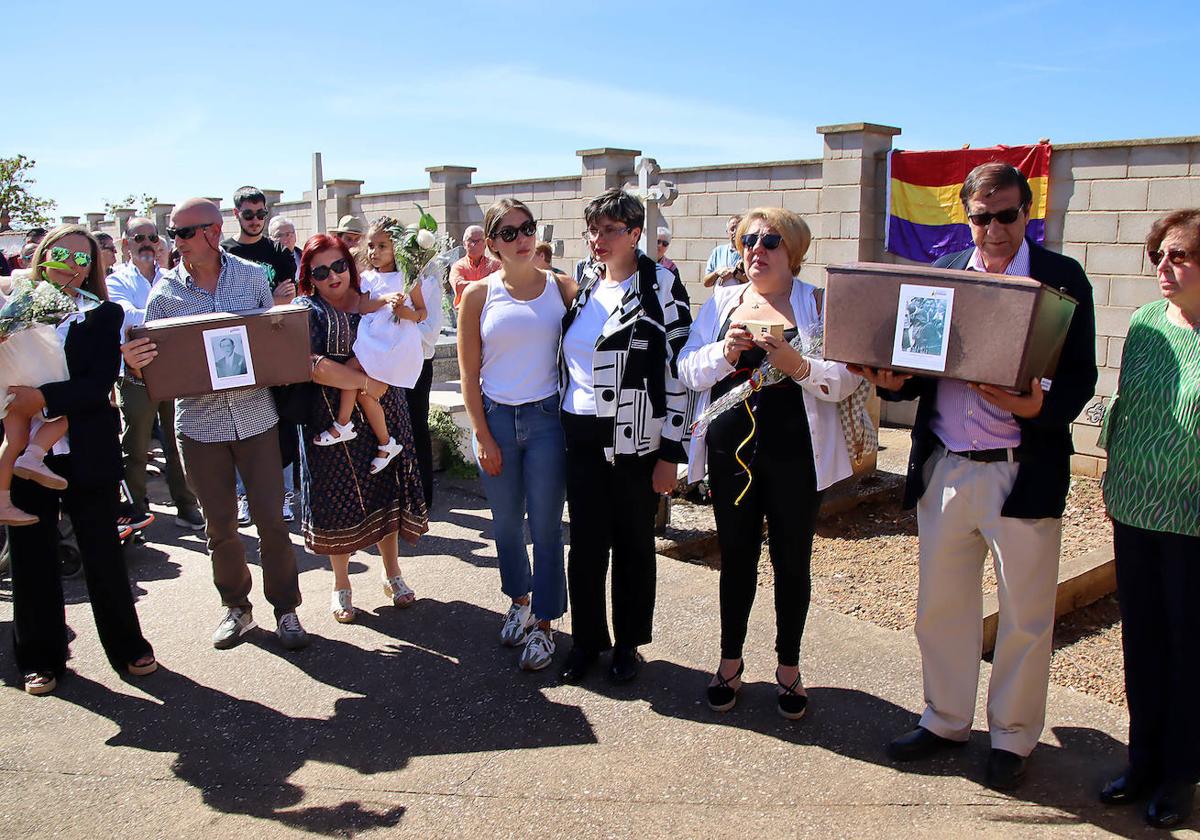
(139, 238)
(1004, 217)
(254, 214)
(322, 272)
(60, 254)
(770, 241)
(607, 232)
(663, 243)
(508, 233)
(1175, 256)
(186, 232)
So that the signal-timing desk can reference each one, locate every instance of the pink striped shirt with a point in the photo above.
(962, 419)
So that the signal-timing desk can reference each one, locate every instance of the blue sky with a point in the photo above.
(180, 99)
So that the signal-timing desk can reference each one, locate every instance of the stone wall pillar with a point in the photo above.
(336, 195)
(122, 215)
(445, 205)
(69, 220)
(161, 214)
(93, 220)
(604, 169)
(853, 191)
(273, 197)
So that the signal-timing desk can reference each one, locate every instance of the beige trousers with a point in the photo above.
(959, 522)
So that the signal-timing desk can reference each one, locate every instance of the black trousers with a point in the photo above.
(784, 491)
(611, 507)
(1158, 584)
(418, 408)
(39, 617)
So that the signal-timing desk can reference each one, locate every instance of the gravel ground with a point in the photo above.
(865, 565)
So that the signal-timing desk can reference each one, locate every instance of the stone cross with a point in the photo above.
(654, 196)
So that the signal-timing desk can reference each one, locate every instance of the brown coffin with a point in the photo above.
(1004, 330)
(278, 348)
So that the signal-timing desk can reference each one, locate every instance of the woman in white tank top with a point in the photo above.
(509, 325)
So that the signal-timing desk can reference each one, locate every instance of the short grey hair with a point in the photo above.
(277, 223)
(471, 229)
(664, 233)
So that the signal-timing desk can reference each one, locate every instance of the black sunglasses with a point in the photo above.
(508, 233)
(254, 214)
(1175, 256)
(1004, 217)
(663, 243)
(322, 272)
(139, 238)
(186, 232)
(770, 241)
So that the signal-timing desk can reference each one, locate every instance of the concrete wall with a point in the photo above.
(1103, 197)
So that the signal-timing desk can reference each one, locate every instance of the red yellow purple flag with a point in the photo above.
(925, 217)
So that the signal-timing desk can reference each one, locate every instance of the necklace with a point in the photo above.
(764, 300)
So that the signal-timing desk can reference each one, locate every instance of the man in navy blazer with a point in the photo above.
(990, 470)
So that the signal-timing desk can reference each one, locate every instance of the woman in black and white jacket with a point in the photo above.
(625, 419)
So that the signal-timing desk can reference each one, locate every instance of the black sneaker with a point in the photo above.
(189, 518)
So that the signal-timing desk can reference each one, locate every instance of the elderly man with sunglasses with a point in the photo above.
(990, 470)
(129, 285)
(228, 431)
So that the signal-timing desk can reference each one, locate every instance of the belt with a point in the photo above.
(990, 456)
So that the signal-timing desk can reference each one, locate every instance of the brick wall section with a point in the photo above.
(1103, 198)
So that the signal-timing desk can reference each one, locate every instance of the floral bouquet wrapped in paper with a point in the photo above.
(31, 352)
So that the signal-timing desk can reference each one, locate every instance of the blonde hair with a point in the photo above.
(794, 230)
(94, 282)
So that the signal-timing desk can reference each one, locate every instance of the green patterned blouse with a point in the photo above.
(1152, 428)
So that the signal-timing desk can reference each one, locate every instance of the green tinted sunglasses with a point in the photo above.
(60, 255)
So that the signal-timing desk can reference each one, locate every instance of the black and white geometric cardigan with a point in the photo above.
(634, 365)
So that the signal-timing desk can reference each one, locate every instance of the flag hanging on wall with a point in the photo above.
(925, 217)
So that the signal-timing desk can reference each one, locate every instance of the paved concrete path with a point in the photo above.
(418, 721)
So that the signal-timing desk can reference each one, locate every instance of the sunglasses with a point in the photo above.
(1004, 217)
(663, 243)
(186, 232)
(60, 254)
(770, 241)
(139, 238)
(508, 233)
(322, 272)
(1175, 256)
(254, 214)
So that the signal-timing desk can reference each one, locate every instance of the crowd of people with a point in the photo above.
(583, 392)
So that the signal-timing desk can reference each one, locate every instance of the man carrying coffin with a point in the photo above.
(228, 430)
(990, 470)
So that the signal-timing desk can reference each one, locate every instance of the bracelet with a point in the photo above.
(796, 374)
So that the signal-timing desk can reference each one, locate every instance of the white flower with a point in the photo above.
(425, 239)
(46, 295)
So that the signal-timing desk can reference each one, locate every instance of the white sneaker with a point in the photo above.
(288, 515)
(516, 622)
(539, 650)
(238, 621)
(243, 510)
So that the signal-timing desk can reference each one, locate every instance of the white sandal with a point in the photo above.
(396, 589)
(341, 606)
(344, 434)
(380, 462)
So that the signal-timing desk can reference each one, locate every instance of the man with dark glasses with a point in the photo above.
(251, 211)
(228, 431)
(989, 471)
(129, 285)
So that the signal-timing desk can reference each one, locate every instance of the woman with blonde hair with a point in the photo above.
(90, 459)
(771, 453)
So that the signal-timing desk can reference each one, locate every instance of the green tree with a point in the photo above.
(142, 203)
(19, 206)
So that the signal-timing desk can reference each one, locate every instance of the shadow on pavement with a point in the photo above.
(435, 691)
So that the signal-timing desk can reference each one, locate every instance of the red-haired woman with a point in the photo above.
(345, 506)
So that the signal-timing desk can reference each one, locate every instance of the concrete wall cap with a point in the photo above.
(1117, 144)
(869, 128)
(606, 150)
(449, 168)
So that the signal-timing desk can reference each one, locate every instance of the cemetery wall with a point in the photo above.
(1103, 197)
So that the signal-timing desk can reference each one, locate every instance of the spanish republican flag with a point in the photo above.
(925, 217)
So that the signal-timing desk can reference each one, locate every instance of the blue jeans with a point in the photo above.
(532, 478)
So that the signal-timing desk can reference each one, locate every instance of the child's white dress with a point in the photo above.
(387, 349)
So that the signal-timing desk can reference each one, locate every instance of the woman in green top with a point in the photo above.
(1152, 491)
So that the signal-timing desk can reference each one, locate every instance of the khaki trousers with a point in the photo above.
(959, 522)
(210, 470)
(138, 412)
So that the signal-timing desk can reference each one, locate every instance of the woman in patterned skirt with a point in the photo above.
(1152, 492)
(346, 507)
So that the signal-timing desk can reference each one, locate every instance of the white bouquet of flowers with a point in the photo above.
(31, 352)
